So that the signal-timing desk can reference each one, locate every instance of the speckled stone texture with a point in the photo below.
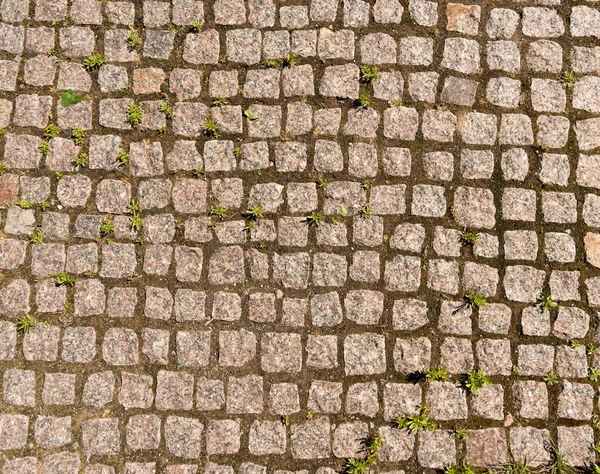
(260, 223)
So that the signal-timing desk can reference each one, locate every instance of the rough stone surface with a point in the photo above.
(264, 222)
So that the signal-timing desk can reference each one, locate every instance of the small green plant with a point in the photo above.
(558, 463)
(23, 204)
(594, 374)
(461, 433)
(475, 300)
(356, 466)
(136, 222)
(58, 175)
(363, 100)
(469, 237)
(395, 103)
(69, 97)
(134, 207)
(220, 100)
(285, 420)
(44, 205)
(51, 131)
(592, 350)
(366, 185)
(82, 159)
(107, 226)
(322, 182)
(199, 172)
(166, 109)
(25, 324)
(77, 135)
(576, 344)
(133, 39)
(135, 114)
(211, 128)
(123, 158)
(218, 211)
(476, 380)
(437, 374)
(93, 61)
(196, 27)
(414, 423)
(596, 420)
(63, 278)
(250, 115)
(289, 60)
(517, 467)
(343, 211)
(254, 213)
(595, 469)
(551, 378)
(545, 303)
(368, 74)
(459, 468)
(365, 212)
(568, 78)
(43, 147)
(36, 237)
(272, 63)
(315, 219)
(2, 168)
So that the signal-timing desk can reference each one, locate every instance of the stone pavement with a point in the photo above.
(298, 236)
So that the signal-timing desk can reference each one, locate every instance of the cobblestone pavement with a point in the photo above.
(298, 236)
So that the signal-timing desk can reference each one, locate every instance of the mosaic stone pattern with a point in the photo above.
(240, 236)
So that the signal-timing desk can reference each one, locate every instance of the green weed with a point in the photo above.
(475, 300)
(289, 60)
(123, 158)
(135, 114)
(459, 468)
(545, 303)
(315, 219)
(414, 423)
(166, 109)
(51, 131)
(322, 182)
(469, 237)
(551, 378)
(365, 212)
(82, 159)
(43, 147)
(133, 39)
(77, 135)
(437, 374)
(107, 226)
(25, 324)
(63, 278)
(368, 74)
(23, 204)
(363, 100)
(250, 115)
(254, 213)
(93, 61)
(476, 380)
(218, 211)
(36, 237)
(211, 128)
(220, 100)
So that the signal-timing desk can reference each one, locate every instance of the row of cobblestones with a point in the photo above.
(299, 237)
